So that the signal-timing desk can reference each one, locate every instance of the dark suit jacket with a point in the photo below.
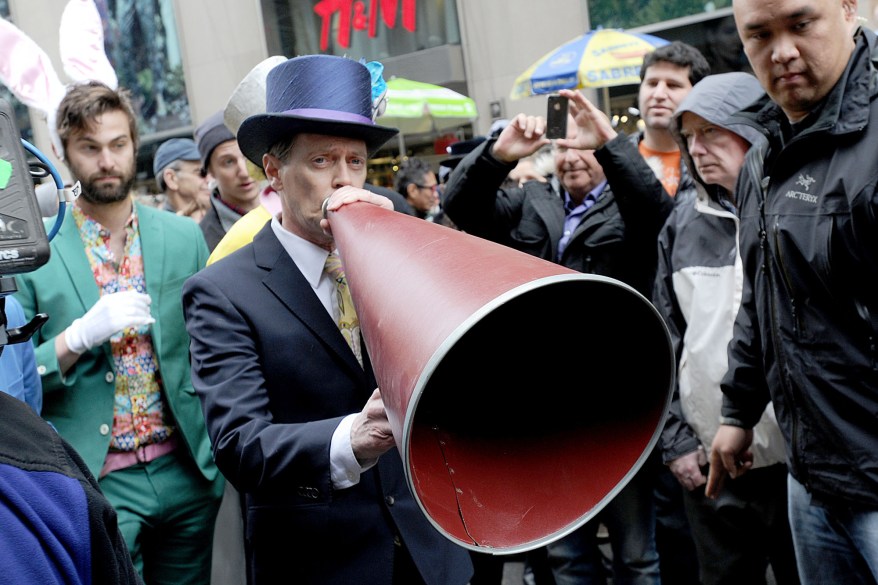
(275, 378)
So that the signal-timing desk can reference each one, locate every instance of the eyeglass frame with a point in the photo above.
(430, 187)
(178, 168)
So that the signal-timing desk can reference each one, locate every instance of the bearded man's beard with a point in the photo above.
(107, 193)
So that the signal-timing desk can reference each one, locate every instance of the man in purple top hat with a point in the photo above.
(296, 422)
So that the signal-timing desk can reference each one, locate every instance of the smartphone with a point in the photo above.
(556, 117)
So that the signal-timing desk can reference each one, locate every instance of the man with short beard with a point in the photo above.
(114, 355)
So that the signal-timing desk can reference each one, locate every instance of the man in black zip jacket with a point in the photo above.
(805, 337)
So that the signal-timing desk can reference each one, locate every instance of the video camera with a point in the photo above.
(24, 245)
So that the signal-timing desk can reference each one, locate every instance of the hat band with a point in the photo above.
(330, 115)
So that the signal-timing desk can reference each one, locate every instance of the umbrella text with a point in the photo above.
(613, 74)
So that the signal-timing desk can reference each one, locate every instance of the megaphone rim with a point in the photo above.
(458, 333)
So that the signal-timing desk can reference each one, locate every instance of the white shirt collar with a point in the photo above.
(310, 259)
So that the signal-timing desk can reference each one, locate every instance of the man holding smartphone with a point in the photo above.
(603, 209)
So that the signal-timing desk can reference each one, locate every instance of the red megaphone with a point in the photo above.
(522, 395)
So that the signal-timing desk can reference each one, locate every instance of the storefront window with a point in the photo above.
(634, 13)
(369, 29)
(141, 41)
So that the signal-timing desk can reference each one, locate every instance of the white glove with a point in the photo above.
(110, 315)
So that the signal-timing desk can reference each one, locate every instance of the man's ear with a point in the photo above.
(850, 9)
(170, 178)
(410, 190)
(272, 165)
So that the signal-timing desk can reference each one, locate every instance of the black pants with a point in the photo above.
(745, 529)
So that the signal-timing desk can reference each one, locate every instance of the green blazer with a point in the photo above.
(80, 404)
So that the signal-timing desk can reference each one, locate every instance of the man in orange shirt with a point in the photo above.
(667, 75)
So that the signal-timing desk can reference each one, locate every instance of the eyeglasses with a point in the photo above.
(187, 171)
(430, 187)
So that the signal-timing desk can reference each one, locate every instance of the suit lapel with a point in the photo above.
(552, 214)
(71, 254)
(588, 220)
(152, 246)
(286, 282)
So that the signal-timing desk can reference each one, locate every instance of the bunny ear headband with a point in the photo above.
(27, 71)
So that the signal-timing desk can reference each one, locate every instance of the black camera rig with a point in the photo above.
(24, 245)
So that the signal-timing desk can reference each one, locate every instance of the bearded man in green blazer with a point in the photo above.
(114, 355)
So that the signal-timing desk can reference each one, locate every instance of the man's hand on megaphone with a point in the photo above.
(350, 194)
(371, 435)
(110, 315)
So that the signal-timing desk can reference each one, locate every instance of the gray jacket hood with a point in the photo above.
(715, 98)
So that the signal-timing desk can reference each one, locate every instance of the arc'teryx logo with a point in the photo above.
(806, 181)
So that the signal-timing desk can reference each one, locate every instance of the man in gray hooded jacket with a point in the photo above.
(698, 291)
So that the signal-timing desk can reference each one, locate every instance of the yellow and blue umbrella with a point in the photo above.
(598, 59)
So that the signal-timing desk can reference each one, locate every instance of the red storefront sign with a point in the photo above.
(353, 15)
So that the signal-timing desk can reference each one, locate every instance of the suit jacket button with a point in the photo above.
(105, 429)
(41, 370)
(109, 377)
(390, 500)
(308, 492)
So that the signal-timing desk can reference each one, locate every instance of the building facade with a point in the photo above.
(182, 59)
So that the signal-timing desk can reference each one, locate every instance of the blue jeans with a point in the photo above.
(630, 520)
(834, 544)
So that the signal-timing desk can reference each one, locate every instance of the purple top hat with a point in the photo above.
(315, 94)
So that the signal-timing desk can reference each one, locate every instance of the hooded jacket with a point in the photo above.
(805, 337)
(699, 282)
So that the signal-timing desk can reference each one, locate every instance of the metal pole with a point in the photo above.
(401, 140)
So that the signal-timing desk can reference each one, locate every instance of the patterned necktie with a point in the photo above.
(348, 323)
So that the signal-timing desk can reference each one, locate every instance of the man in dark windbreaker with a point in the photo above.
(806, 337)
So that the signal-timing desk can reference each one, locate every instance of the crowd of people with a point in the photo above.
(201, 406)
